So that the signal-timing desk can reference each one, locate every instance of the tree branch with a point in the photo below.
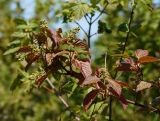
(89, 32)
(57, 93)
(86, 18)
(60, 97)
(123, 50)
(100, 13)
(149, 107)
(81, 28)
(93, 34)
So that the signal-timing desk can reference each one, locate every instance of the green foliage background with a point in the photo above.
(39, 105)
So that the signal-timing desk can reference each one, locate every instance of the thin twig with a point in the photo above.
(86, 18)
(100, 13)
(89, 32)
(149, 107)
(57, 94)
(94, 34)
(88, 15)
(123, 50)
(129, 27)
(60, 97)
(81, 28)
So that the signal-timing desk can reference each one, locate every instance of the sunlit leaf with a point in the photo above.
(55, 35)
(11, 50)
(15, 42)
(91, 80)
(31, 26)
(49, 58)
(19, 34)
(148, 59)
(114, 85)
(143, 85)
(85, 67)
(79, 11)
(141, 53)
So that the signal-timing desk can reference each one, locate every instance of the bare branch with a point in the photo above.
(149, 107)
(81, 28)
(60, 97)
(93, 34)
(124, 47)
(102, 11)
(86, 18)
(57, 94)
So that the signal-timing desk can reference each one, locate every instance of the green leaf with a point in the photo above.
(123, 27)
(82, 56)
(30, 26)
(20, 21)
(25, 74)
(102, 27)
(16, 82)
(57, 76)
(26, 85)
(12, 50)
(94, 2)
(15, 42)
(19, 34)
(79, 11)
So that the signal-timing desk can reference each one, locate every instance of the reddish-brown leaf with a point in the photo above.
(41, 79)
(49, 58)
(143, 85)
(101, 85)
(129, 61)
(84, 66)
(123, 84)
(120, 97)
(89, 98)
(80, 43)
(31, 57)
(41, 38)
(128, 65)
(148, 59)
(55, 35)
(90, 80)
(25, 49)
(124, 67)
(141, 53)
(114, 85)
